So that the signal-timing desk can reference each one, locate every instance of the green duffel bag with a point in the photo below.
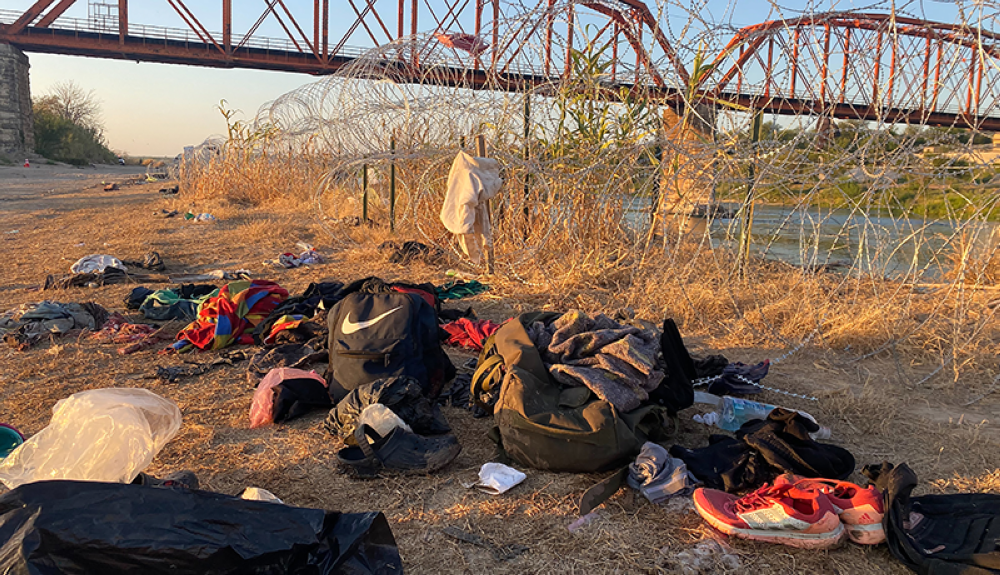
(543, 425)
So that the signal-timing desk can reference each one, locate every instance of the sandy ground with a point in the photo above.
(52, 215)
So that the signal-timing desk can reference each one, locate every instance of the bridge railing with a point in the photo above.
(149, 33)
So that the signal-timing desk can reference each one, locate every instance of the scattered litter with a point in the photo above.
(139, 336)
(469, 333)
(500, 552)
(734, 412)
(17, 232)
(55, 526)
(286, 393)
(151, 261)
(230, 317)
(410, 251)
(184, 479)
(403, 395)
(27, 164)
(26, 324)
(96, 263)
(460, 275)
(497, 478)
(166, 213)
(709, 557)
(97, 435)
(258, 494)
(172, 374)
(111, 187)
(10, 439)
(309, 256)
(169, 191)
(240, 274)
(658, 476)
(199, 217)
(382, 419)
(459, 289)
(583, 522)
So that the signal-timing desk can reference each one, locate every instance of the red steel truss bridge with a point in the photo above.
(844, 65)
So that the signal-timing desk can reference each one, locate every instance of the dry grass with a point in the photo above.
(580, 252)
(871, 405)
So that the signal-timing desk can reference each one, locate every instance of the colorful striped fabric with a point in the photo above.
(229, 317)
(284, 322)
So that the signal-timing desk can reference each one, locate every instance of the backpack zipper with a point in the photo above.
(367, 355)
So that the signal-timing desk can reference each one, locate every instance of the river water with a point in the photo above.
(891, 246)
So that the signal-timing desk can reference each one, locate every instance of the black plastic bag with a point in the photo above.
(84, 527)
(403, 395)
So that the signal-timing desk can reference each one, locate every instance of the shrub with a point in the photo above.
(61, 139)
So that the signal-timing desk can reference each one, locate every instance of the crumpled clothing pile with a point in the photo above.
(309, 256)
(231, 316)
(617, 362)
(22, 326)
(658, 476)
(139, 336)
(469, 333)
(118, 330)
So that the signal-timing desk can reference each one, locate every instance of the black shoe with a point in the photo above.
(400, 451)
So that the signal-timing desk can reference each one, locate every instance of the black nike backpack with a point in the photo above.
(375, 336)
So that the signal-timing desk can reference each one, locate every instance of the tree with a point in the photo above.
(71, 102)
(68, 126)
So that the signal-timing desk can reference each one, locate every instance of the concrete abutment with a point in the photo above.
(17, 128)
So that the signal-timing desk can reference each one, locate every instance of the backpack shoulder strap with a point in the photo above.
(489, 372)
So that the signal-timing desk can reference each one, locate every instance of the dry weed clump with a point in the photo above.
(975, 259)
(258, 176)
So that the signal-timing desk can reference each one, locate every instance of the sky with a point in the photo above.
(157, 109)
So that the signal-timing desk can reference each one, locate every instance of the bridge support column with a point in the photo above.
(17, 127)
(826, 131)
(687, 187)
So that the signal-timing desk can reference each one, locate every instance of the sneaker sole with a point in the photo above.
(827, 540)
(871, 534)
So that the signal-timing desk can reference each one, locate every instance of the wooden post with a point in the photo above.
(481, 152)
(364, 193)
(392, 185)
(746, 226)
(527, 157)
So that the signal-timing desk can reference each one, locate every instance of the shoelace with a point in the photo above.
(763, 497)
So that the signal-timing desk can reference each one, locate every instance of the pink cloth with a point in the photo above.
(262, 407)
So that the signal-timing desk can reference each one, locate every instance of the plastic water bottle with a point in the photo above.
(737, 411)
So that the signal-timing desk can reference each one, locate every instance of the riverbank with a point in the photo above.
(873, 405)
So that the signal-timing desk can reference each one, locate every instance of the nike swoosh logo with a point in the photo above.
(350, 327)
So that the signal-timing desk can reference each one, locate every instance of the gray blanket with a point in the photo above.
(616, 362)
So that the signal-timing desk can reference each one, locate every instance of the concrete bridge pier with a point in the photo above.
(687, 187)
(17, 126)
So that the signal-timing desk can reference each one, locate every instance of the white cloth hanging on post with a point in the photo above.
(472, 182)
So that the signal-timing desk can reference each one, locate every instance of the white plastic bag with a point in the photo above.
(382, 419)
(258, 494)
(497, 478)
(97, 435)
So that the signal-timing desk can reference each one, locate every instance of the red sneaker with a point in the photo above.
(778, 514)
(860, 508)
